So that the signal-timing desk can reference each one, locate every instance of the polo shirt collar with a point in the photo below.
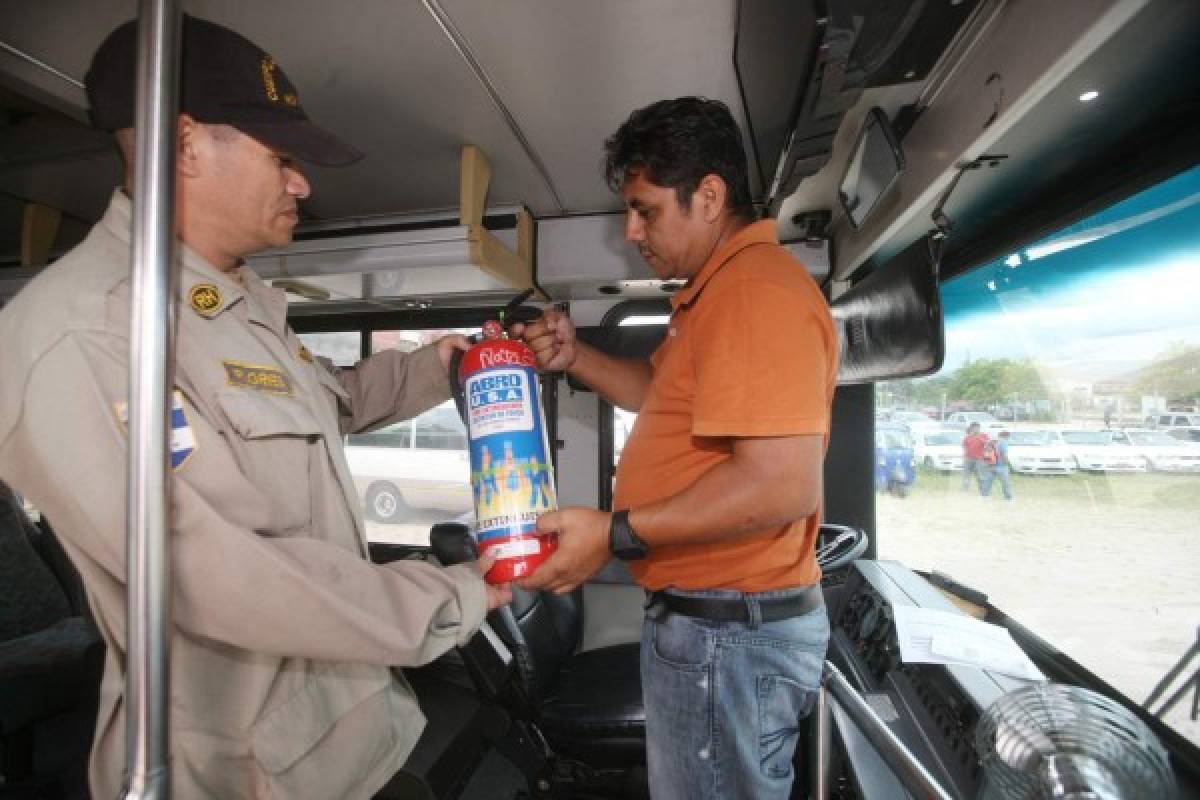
(761, 232)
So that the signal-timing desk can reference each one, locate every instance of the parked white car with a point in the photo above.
(962, 419)
(1039, 453)
(1095, 451)
(915, 421)
(939, 449)
(1161, 451)
(1181, 425)
(418, 463)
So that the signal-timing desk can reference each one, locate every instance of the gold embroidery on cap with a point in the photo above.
(268, 64)
(305, 354)
(205, 298)
(254, 376)
(291, 99)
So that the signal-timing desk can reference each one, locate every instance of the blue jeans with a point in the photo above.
(1000, 473)
(981, 471)
(724, 700)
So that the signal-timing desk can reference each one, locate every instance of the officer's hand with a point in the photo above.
(498, 594)
(448, 344)
(582, 549)
(550, 336)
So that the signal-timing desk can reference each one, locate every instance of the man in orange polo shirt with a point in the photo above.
(718, 489)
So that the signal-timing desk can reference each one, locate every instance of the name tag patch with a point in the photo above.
(183, 441)
(254, 376)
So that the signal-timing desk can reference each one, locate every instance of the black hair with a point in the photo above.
(675, 144)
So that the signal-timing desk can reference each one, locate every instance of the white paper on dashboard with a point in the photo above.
(930, 636)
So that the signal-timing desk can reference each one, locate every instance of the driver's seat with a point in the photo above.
(588, 705)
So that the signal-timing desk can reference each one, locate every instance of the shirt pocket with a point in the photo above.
(352, 695)
(274, 439)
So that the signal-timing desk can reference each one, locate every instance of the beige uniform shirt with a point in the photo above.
(284, 632)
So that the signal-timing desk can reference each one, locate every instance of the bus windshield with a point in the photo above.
(1088, 544)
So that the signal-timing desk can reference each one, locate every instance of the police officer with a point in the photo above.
(284, 633)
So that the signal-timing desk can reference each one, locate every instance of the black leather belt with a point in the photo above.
(736, 609)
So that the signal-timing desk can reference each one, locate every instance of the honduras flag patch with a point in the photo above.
(182, 441)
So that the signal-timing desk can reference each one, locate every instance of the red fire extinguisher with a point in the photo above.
(511, 473)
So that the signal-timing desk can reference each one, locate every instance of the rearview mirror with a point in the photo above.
(874, 168)
(890, 324)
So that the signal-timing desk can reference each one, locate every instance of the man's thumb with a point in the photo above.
(549, 522)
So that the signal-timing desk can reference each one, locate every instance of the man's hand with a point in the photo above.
(551, 337)
(497, 594)
(582, 549)
(448, 344)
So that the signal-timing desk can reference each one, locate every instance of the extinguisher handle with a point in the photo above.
(456, 387)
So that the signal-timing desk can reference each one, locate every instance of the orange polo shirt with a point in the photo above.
(751, 351)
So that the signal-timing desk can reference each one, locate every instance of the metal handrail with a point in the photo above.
(911, 772)
(150, 381)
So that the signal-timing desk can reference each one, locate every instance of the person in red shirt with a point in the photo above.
(973, 463)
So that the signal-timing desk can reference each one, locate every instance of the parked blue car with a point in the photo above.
(895, 464)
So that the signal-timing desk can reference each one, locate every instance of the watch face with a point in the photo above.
(623, 542)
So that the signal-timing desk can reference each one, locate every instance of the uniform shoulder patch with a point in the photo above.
(257, 376)
(183, 440)
(205, 299)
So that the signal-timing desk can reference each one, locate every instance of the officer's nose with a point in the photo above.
(297, 185)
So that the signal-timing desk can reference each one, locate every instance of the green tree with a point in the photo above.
(980, 383)
(1023, 381)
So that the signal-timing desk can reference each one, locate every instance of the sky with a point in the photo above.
(1096, 301)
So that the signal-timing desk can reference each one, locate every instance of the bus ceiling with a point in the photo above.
(537, 86)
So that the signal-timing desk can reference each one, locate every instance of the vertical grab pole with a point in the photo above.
(821, 754)
(150, 381)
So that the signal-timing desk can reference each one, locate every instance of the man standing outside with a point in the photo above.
(719, 485)
(1002, 468)
(973, 464)
(284, 634)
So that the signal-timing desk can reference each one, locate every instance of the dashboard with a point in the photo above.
(933, 709)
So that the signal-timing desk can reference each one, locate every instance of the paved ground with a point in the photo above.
(1108, 574)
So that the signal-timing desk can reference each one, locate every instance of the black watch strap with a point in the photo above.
(624, 543)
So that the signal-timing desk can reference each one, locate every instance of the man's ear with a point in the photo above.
(190, 139)
(711, 194)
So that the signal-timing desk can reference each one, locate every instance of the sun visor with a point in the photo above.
(890, 323)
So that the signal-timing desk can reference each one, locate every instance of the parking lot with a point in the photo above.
(1104, 567)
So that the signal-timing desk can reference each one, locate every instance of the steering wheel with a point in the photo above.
(838, 545)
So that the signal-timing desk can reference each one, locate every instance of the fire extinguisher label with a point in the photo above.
(498, 401)
(511, 473)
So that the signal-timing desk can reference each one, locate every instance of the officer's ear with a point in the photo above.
(190, 143)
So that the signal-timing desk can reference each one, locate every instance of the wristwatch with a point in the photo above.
(624, 543)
